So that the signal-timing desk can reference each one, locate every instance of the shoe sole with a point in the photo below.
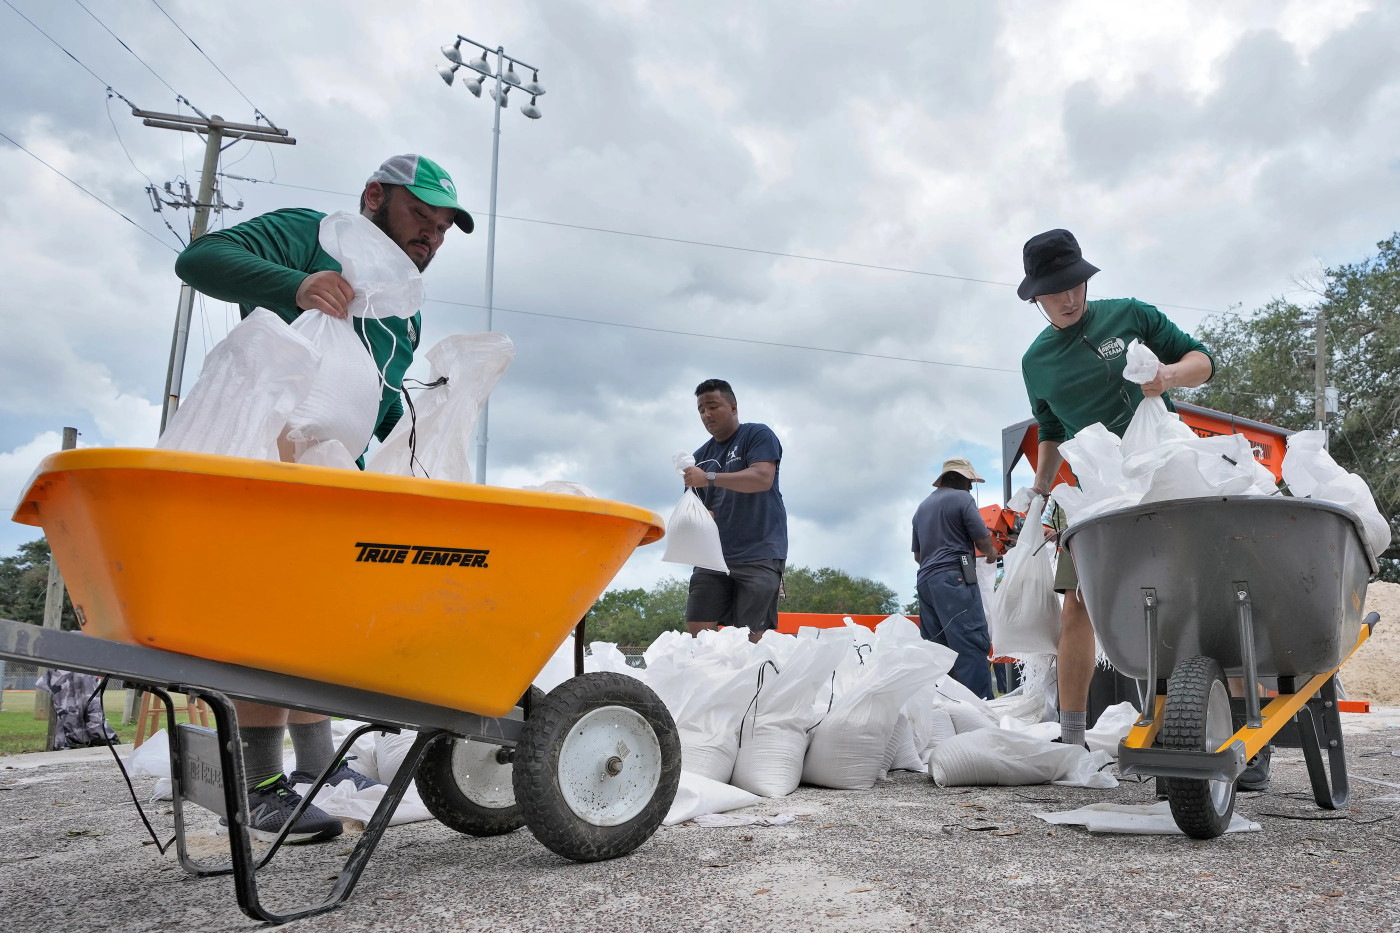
(295, 839)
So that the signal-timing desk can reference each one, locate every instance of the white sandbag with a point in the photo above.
(347, 802)
(385, 280)
(444, 416)
(1310, 471)
(331, 453)
(249, 385)
(697, 795)
(1016, 711)
(343, 404)
(152, 757)
(1027, 613)
(986, 588)
(692, 537)
(1111, 728)
(1152, 437)
(774, 731)
(997, 757)
(1140, 364)
(848, 745)
(941, 729)
(967, 718)
(390, 749)
(559, 667)
(605, 656)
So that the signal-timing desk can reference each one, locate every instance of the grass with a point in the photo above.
(20, 732)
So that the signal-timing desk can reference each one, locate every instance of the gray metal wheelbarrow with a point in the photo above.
(1185, 593)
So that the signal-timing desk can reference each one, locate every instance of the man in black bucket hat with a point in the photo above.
(1074, 377)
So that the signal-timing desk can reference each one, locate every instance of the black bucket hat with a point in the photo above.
(1053, 264)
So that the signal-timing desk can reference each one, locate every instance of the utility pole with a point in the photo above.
(53, 616)
(215, 131)
(1320, 372)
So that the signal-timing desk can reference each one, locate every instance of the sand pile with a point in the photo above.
(1373, 673)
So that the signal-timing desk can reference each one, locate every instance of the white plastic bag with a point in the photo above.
(443, 417)
(1153, 436)
(385, 280)
(343, 404)
(250, 383)
(692, 537)
(774, 732)
(848, 745)
(1027, 613)
(331, 453)
(1140, 363)
(998, 757)
(1310, 471)
(698, 795)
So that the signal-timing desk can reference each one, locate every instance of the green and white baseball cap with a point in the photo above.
(428, 182)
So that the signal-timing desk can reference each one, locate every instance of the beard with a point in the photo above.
(380, 218)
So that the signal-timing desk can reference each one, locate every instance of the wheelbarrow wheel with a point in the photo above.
(467, 784)
(1197, 717)
(597, 767)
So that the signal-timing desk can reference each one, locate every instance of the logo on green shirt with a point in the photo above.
(1112, 348)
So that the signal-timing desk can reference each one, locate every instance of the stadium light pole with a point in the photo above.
(506, 78)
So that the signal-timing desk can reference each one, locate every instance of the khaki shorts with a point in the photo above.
(1066, 577)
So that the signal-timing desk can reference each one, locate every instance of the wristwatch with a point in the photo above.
(711, 477)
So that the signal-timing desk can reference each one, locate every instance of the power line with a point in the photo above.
(211, 61)
(727, 246)
(125, 46)
(764, 343)
(55, 42)
(88, 193)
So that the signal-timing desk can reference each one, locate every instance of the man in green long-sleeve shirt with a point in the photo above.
(1074, 377)
(275, 261)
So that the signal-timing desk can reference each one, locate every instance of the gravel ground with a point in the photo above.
(907, 855)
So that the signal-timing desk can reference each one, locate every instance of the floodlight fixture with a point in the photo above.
(453, 52)
(475, 85)
(534, 88)
(502, 99)
(481, 65)
(448, 72)
(530, 110)
(510, 77)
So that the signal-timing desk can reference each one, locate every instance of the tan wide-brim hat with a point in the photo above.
(960, 465)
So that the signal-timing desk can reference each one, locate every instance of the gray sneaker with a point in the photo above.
(272, 801)
(1255, 776)
(343, 772)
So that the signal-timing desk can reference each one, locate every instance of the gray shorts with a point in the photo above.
(747, 596)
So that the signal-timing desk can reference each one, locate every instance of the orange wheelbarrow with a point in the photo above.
(404, 602)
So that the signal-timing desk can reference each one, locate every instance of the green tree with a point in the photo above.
(636, 617)
(832, 590)
(1264, 371)
(24, 578)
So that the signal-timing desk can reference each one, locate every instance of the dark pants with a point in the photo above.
(747, 595)
(950, 613)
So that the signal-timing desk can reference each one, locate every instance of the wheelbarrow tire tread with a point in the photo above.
(454, 808)
(1184, 727)
(537, 787)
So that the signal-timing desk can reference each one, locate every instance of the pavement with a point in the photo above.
(906, 855)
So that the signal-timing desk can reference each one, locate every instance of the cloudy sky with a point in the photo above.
(1206, 155)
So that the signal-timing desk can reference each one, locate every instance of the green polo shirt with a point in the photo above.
(260, 263)
(1074, 376)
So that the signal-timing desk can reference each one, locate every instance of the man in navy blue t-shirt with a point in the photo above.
(947, 526)
(736, 475)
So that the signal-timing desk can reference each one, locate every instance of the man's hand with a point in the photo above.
(695, 478)
(327, 292)
(1161, 382)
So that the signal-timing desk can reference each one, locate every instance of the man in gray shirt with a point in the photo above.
(947, 526)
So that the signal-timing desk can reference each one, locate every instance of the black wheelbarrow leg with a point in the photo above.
(1319, 728)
